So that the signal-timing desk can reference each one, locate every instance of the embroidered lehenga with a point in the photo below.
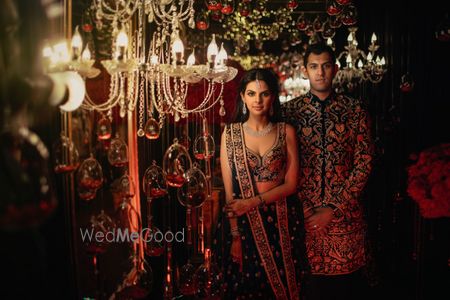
(271, 235)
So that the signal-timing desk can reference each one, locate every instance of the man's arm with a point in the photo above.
(362, 161)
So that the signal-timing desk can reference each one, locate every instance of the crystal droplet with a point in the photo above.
(140, 132)
(191, 23)
(222, 111)
(152, 129)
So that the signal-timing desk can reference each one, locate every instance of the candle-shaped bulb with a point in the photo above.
(86, 55)
(77, 44)
(191, 59)
(212, 50)
(374, 38)
(121, 44)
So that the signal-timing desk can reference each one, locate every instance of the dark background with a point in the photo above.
(411, 253)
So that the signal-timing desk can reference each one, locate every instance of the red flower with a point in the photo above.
(429, 181)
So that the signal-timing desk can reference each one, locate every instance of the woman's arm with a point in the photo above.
(288, 187)
(236, 245)
(226, 175)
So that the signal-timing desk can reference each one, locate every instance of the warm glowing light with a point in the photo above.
(154, 59)
(122, 39)
(77, 44)
(191, 59)
(77, 90)
(374, 38)
(86, 55)
(121, 44)
(329, 42)
(213, 50)
(222, 56)
(60, 53)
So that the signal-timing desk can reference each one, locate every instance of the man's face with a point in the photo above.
(320, 71)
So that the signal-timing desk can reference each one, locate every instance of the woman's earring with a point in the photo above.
(271, 111)
(244, 109)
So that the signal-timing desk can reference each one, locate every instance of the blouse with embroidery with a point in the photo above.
(271, 165)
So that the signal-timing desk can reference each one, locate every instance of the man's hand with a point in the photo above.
(318, 222)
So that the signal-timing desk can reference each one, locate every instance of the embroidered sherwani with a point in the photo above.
(335, 161)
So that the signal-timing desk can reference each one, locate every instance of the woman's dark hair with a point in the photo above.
(271, 79)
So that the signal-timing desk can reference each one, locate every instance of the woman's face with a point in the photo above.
(258, 98)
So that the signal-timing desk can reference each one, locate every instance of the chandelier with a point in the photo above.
(359, 66)
(150, 75)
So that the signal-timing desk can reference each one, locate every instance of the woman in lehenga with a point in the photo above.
(262, 227)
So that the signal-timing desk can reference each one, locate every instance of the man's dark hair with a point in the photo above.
(319, 48)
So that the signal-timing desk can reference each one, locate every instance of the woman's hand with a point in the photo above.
(318, 222)
(236, 208)
(236, 252)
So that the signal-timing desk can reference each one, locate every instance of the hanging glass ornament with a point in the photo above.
(66, 158)
(127, 217)
(125, 186)
(317, 24)
(292, 4)
(90, 174)
(336, 21)
(328, 31)
(204, 146)
(295, 38)
(186, 279)
(138, 282)
(193, 192)
(227, 7)
(152, 129)
(104, 129)
(334, 9)
(208, 279)
(176, 161)
(302, 22)
(154, 181)
(202, 20)
(153, 246)
(343, 2)
(406, 83)
(213, 5)
(100, 225)
(86, 194)
(349, 16)
(118, 153)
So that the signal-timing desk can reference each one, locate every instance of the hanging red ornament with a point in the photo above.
(333, 10)
(344, 2)
(213, 5)
(227, 8)
(202, 21)
(292, 4)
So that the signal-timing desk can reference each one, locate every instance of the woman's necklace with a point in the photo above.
(262, 132)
